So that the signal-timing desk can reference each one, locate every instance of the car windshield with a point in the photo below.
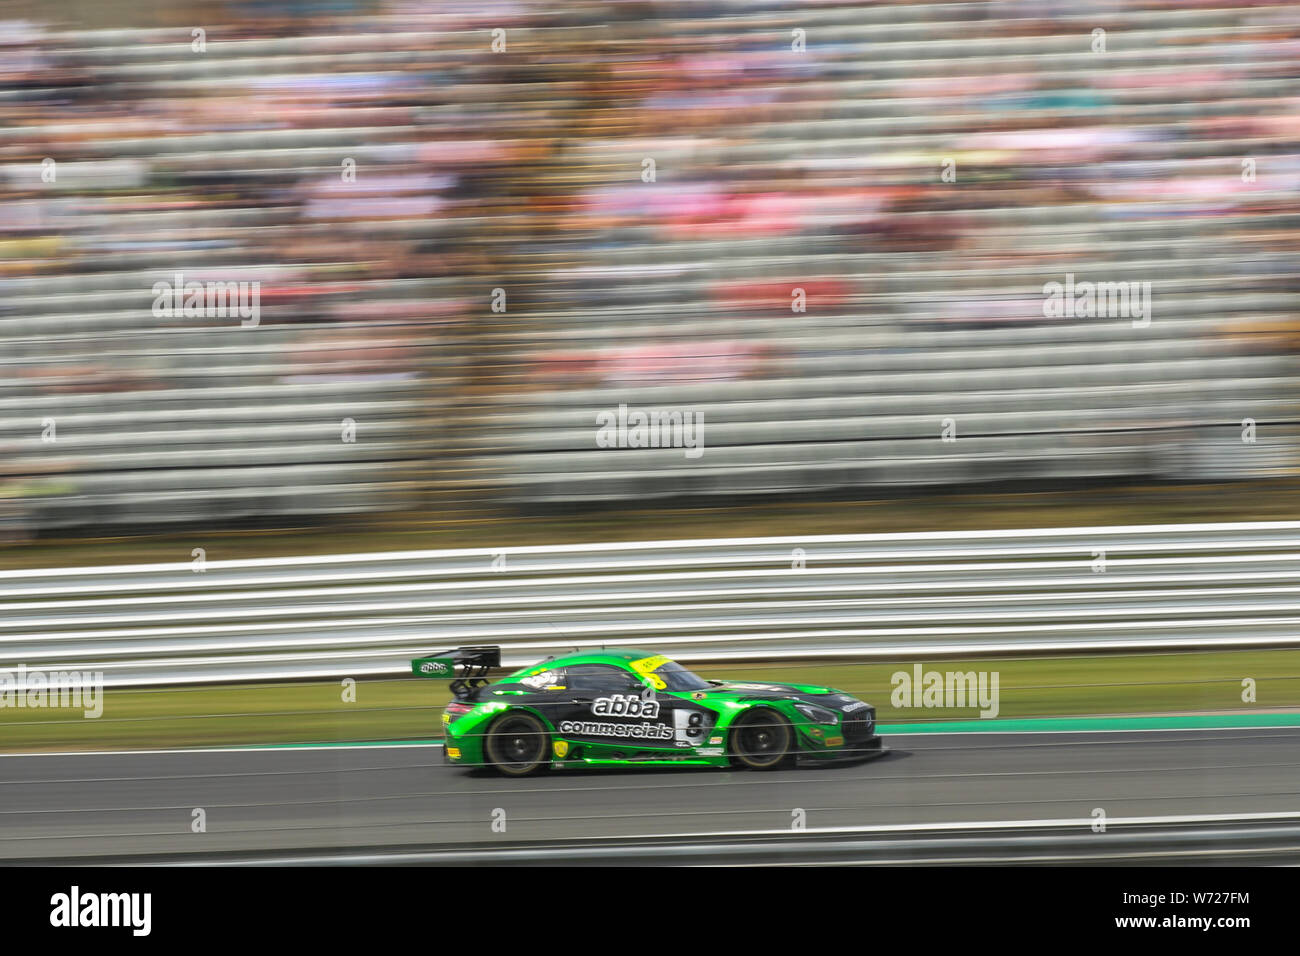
(678, 678)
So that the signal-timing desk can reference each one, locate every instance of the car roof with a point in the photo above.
(611, 655)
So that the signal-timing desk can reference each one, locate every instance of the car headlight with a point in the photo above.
(818, 715)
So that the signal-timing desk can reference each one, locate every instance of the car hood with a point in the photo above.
(766, 690)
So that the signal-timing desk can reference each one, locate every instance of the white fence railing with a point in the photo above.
(848, 596)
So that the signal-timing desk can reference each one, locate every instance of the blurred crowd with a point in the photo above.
(823, 226)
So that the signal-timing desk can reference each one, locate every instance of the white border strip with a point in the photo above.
(678, 544)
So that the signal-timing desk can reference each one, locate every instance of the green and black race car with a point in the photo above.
(622, 707)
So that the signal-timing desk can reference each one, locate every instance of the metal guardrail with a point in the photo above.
(885, 596)
(1265, 838)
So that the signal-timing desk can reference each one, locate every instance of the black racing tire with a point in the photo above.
(761, 739)
(517, 744)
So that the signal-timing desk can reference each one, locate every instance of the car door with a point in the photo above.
(609, 705)
(685, 710)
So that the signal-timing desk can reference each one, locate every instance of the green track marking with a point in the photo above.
(320, 745)
(1092, 724)
(1024, 725)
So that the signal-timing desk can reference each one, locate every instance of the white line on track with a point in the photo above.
(270, 748)
(267, 748)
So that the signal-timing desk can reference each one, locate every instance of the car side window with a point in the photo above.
(599, 678)
(545, 680)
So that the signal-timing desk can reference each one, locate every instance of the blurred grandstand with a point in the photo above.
(919, 171)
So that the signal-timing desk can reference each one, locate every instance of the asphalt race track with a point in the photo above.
(116, 805)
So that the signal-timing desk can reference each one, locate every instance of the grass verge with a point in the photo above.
(408, 709)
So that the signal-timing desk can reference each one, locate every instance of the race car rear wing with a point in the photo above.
(473, 662)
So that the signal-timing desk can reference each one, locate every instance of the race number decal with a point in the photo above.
(691, 726)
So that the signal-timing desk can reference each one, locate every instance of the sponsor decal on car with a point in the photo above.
(856, 706)
(605, 728)
(625, 705)
(548, 680)
(433, 667)
(561, 748)
(646, 667)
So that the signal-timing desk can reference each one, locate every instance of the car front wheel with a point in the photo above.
(761, 739)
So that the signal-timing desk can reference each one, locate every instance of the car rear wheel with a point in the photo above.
(517, 744)
(761, 739)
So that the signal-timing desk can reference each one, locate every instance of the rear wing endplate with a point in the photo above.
(465, 667)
